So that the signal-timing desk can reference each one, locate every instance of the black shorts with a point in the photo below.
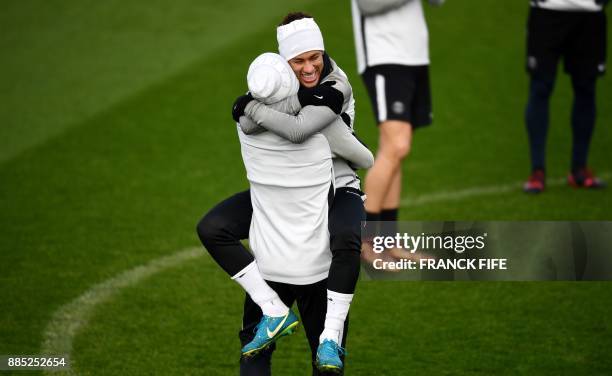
(578, 37)
(311, 303)
(399, 92)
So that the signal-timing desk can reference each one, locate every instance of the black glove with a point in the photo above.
(239, 106)
(322, 95)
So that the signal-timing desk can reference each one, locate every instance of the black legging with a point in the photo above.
(583, 118)
(222, 228)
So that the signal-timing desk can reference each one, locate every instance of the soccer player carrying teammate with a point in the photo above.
(301, 44)
(576, 31)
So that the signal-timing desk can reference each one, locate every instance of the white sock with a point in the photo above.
(267, 299)
(337, 309)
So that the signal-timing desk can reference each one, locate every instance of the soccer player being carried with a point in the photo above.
(285, 213)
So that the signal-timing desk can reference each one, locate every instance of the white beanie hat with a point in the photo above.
(298, 37)
(271, 79)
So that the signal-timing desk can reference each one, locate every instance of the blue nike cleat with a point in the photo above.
(268, 331)
(328, 357)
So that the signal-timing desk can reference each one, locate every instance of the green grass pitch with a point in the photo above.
(116, 136)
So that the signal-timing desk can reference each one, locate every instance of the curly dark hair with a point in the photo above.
(293, 16)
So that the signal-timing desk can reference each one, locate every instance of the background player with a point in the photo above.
(391, 40)
(576, 31)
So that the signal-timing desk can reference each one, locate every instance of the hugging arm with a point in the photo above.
(344, 144)
(310, 120)
(289, 105)
(248, 126)
(295, 128)
(320, 106)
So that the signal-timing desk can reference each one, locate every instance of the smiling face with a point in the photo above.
(307, 67)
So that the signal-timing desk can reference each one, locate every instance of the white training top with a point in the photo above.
(290, 184)
(398, 36)
(568, 5)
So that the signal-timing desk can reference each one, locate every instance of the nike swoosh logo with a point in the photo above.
(275, 331)
(318, 97)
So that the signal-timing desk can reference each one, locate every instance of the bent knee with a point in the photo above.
(395, 139)
(209, 228)
(401, 148)
(397, 149)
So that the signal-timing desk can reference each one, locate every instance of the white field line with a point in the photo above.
(74, 316)
(479, 191)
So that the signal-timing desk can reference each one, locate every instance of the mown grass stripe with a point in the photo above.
(71, 318)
